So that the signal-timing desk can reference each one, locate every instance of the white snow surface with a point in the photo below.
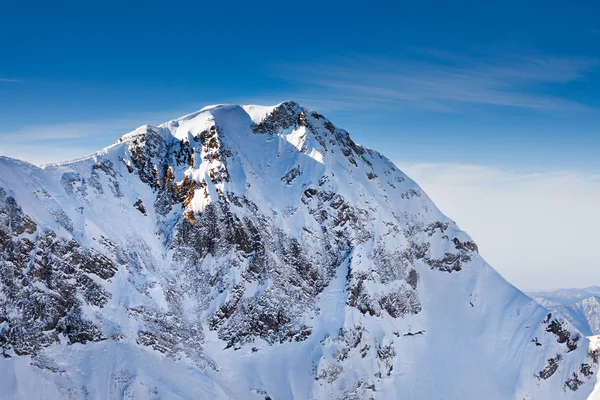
(474, 336)
(581, 307)
(583, 315)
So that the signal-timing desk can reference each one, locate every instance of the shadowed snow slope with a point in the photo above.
(248, 252)
(584, 315)
(581, 307)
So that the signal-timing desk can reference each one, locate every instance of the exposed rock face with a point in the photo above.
(45, 280)
(262, 243)
(583, 314)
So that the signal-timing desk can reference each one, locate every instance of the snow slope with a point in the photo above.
(257, 252)
(583, 314)
(581, 307)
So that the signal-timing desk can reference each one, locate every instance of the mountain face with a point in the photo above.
(581, 307)
(584, 315)
(248, 252)
(564, 296)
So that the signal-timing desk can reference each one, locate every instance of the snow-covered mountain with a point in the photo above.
(249, 252)
(583, 314)
(564, 296)
(581, 307)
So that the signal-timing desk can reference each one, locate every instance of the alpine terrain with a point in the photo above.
(581, 307)
(250, 252)
(564, 296)
(584, 315)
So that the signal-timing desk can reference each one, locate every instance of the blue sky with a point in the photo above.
(493, 107)
(510, 84)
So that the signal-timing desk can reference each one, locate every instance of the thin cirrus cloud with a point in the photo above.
(8, 80)
(537, 229)
(43, 144)
(439, 81)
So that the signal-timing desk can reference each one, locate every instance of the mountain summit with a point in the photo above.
(250, 252)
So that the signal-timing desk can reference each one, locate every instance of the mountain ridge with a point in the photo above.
(581, 307)
(268, 255)
(565, 296)
(583, 314)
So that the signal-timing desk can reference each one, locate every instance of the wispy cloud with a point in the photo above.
(441, 81)
(537, 229)
(47, 143)
(10, 80)
(55, 142)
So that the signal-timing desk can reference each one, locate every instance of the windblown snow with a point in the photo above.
(250, 252)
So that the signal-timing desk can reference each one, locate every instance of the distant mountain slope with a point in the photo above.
(564, 296)
(584, 315)
(581, 307)
(250, 252)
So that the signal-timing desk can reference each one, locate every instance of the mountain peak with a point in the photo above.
(259, 253)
